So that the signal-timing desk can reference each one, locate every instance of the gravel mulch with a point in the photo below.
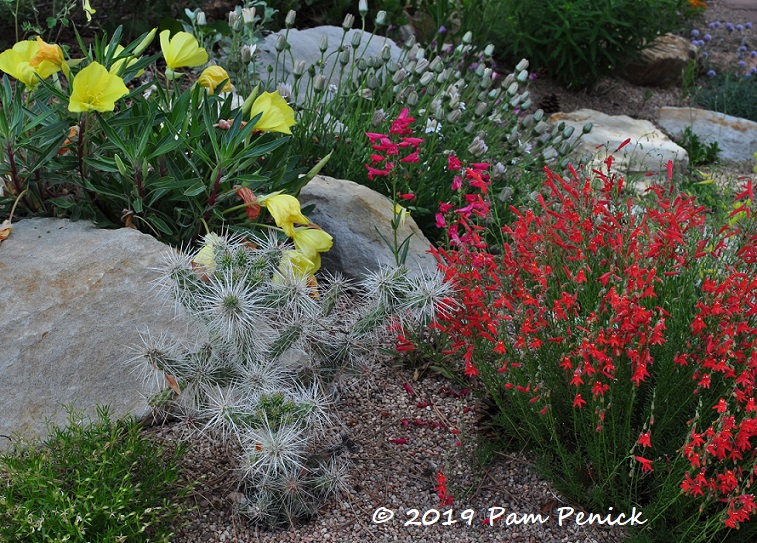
(380, 411)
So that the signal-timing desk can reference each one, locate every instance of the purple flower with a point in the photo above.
(711, 73)
(707, 37)
(729, 27)
(739, 27)
(705, 54)
(742, 64)
(700, 43)
(442, 29)
(753, 70)
(753, 54)
(695, 33)
(742, 48)
(533, 75)
(748, 74)
(747, 25)
(715, 24)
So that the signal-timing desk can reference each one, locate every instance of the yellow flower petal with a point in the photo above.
(212, 76)
(182, 50)
(16, 62)
(94, 89)
(206, 257)
(285, 210)
(276, 116)
(298, 263)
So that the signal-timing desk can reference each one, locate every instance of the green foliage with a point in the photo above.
(731, 94)
(164, 164)
(90, 481)
(700, 154)
(579, 41)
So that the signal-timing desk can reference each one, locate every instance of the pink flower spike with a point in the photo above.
(412, 157)
(670, 170)
(373, 136)
(408, 196)
(453, 163)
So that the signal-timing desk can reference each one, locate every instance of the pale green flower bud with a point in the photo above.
(467, 37)
(512, 89)
(412, 98)
(362, 8)
(380, 18)
(470, 127)
(489, 50)
(366, 93)
(349, 20)
(481, 108)
(427, 78)
(246, 53)
(454, 101)
(508, 81)
(538, 115)
(436, 65)
(299, 69)
(526, 103)
(357, 39)
(392, 66)
(323, 45)
(568, 132)
(454, 115)
(522, 76)
(399, 77)
(233, 18)
(587, 128)
(379, 117)
(421, 66)
(281, 43)
(431, 89)
(319, 83)
(444, 76)
(528, 121)
(409, 44)
(291, 16)
(372, 82)
(386, 53)
(248, 15)
(498, 172)
(522, 65)
(344, 56)
(478, 147)
(201, 19)
(362, 65)
(145, 42)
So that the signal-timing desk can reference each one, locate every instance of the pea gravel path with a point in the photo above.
(378, 407)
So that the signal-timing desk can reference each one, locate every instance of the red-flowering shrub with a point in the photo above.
(617, 335)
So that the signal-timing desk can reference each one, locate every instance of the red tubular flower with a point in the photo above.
(646, 464)
(645, 439)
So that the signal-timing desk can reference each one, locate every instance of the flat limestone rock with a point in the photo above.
(648, 151)
(736, 137)
(74, 299)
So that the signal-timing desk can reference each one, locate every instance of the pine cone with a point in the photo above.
(550, 104)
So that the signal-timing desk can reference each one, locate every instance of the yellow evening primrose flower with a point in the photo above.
(16, 62)
(122, 64)
(88, 11)
(94, 89)
(311, 242)
(296, 262)
(206, 257)
(276, 116)
(402, 212)
(50, 52)
(212, 76)
(181, 51)
(285, 210)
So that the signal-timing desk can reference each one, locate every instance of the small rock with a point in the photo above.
(648, 151)
(357, 216)
(663, 63)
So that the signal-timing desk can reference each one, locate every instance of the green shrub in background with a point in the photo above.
(95, 481)
(579, 41)
(731, 94)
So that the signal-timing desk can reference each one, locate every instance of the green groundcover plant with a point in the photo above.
(618, 337)
(96, 481)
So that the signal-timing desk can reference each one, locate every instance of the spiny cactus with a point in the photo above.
(272, 347)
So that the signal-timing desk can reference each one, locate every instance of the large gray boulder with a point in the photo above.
(304, 45)
(736, 137)
(74, 299)
(648, 151)
(354, 215)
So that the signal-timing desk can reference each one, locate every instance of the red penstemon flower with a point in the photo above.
(584, 282)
